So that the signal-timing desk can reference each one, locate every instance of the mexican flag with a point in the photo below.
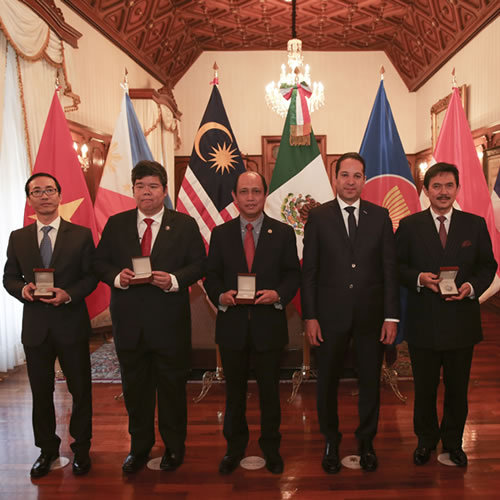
(299, 180)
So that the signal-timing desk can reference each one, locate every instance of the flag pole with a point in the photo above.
(210, 376)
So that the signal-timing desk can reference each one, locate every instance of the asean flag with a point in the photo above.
(389, 182)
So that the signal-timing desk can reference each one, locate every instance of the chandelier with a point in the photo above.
(297, 74)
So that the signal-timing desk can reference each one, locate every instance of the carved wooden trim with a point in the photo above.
(53, 16)
(162, 97)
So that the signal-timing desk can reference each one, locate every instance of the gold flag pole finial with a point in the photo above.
(215, 81)
(382, 71)
(453, 79)
(124, 85)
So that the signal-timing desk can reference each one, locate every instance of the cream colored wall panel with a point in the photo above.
(477, 65)
(95, 71)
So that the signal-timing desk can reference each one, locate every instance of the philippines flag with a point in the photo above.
(389, 182)
(128, 146)
(214, 165)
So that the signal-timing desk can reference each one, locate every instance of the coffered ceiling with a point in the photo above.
(167, 36)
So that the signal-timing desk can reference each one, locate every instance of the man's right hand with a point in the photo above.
(430, 281)
(227, 298)
(126, 276)
(313, 332)
(28, 291)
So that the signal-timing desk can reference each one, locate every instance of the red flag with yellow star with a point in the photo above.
(57, 157)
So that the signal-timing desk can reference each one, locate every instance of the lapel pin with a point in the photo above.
(167, 228)
(270, 231)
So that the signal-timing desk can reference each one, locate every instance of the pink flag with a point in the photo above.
(56, 156)
(455, 145)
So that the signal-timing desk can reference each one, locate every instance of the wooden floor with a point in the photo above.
(302, 447)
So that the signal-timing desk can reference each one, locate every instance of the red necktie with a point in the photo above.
(146, 238)
(249, 246)
(442, 230)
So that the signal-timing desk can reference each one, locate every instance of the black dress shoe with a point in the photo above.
(458, 457)
(331, 461)
(81, 463)
(367, 458)
(229, 463)
(171, 460)
(42, 465)
(421, 455)
(134, 462)
(274, 463)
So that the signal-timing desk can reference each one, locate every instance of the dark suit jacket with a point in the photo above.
(72, 260)
(431, 322)
(345, 287)
(277, 268)
(163, 318)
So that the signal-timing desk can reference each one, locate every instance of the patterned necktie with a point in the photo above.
(442, 230)
(46, 246)
(351, 224)
(146, 238)
(249, 246)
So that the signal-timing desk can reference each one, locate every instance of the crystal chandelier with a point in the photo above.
(298, 74)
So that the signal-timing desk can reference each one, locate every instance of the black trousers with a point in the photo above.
(236, 366)
(148, 374)
(75, 363)
(330, 357)
(426, 366)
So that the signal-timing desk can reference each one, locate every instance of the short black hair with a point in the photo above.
(41, 174)
(144, 168)
(262, 178)
(352, 156)
(439, 168)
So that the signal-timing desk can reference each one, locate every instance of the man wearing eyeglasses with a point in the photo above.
(57, 323)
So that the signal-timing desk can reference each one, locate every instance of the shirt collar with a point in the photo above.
(156, 217)
(54, 224)
(343, 204)
(257, 223)
(447, 214)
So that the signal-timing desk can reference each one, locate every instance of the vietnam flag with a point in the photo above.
(455, 145)
(56, 156)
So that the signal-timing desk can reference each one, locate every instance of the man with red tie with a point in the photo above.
(442, 329)
(252, 333)
(152, 320)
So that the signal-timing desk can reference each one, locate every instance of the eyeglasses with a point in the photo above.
(38, 193)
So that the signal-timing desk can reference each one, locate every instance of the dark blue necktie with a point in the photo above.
(46, 246)
(351, 224)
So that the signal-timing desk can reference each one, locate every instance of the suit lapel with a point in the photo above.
(430, 236)
(163, 241)
(235, 235)
(32, 244)
(363, 231)
(453, 239)
(264, 243)
(62, 234)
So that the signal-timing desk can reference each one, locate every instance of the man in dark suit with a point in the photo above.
(349, 292)
(152, 321)
(441, 331)
(255, 243)
(57, 326)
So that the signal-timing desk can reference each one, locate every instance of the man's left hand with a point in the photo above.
(463, 291)
(389, 332)
(267, 297)
(162, 280)
(60, 297)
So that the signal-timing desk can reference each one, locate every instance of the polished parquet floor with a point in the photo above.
(302, 447)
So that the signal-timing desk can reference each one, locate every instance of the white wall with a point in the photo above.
(351, 81)
(477, 65)
(95, 71)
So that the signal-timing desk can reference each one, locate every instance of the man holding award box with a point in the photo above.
(446, 262)
(253, 272)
